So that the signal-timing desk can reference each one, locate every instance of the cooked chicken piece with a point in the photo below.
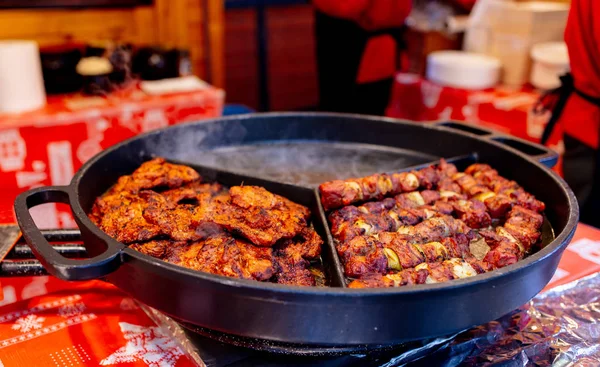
(160, 249)
(194, 193)
(291, 256)
(156, 173)
(256, 214)
(225, 255)
(307, 244)
(121, 217)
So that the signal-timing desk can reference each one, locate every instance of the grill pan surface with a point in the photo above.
(290, 154)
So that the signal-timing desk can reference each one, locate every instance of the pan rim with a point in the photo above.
(558, 244)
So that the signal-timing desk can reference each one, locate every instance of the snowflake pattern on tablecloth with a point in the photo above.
(28, 323)
(149, 344)
(71, 310)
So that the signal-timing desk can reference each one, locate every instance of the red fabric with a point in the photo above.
(378, 61)
(465, 4)
(83, 324)
(47, 146)
(580, 118)
(346, 9)
(370, 14)
(508, 111)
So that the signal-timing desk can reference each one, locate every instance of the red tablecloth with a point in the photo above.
(46, 147)
(506, 110)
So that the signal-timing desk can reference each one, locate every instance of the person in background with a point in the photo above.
(578, 111)
(358, 48)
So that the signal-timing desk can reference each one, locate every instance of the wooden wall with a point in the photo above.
(196, 25)
(291, 57)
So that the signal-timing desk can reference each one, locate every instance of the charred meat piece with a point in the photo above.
(402, 278)
(424, 273)
(156, 173)
(121, 217)
(362, 255)
(165, 211)
(256, 214)
(338, 193)
(225, 255)
(524, 224)
(194, 193)
(307, 244)
(292, 258)
(473, 213)
(160, 249)
(468, 184)
(489, 177)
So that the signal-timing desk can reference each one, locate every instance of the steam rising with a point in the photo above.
(306, 163)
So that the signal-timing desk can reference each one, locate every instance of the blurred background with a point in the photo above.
(77, 76)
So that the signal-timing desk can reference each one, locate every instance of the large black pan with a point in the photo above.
(310, 148)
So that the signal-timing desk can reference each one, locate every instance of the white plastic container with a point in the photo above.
(21, 81)
(465, 70)
(550, 61)
(508, 29)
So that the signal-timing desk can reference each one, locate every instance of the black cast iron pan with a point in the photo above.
(307, 149)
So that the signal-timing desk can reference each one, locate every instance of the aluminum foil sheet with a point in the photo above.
(558, 328)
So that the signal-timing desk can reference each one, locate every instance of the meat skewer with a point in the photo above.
(339, 193)
(433, 240)
(423, 274)
(431, 236)
(501, 193)
(407, 209)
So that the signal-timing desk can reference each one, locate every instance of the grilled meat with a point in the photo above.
(440, 233)
(256, 214)
(166, 211)
(339, 193)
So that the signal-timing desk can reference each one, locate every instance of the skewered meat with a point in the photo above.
(472, 212)
(440, 233)
(166, 211)
(424, 273)
(339, 193)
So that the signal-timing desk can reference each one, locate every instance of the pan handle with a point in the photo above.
(56, 264)
(541, 153)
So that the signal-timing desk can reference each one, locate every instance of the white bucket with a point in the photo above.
(550, 61)
(460, 69)
(21, 81)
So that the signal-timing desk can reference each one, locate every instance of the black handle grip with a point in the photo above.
(55, 263)
(541, 153)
